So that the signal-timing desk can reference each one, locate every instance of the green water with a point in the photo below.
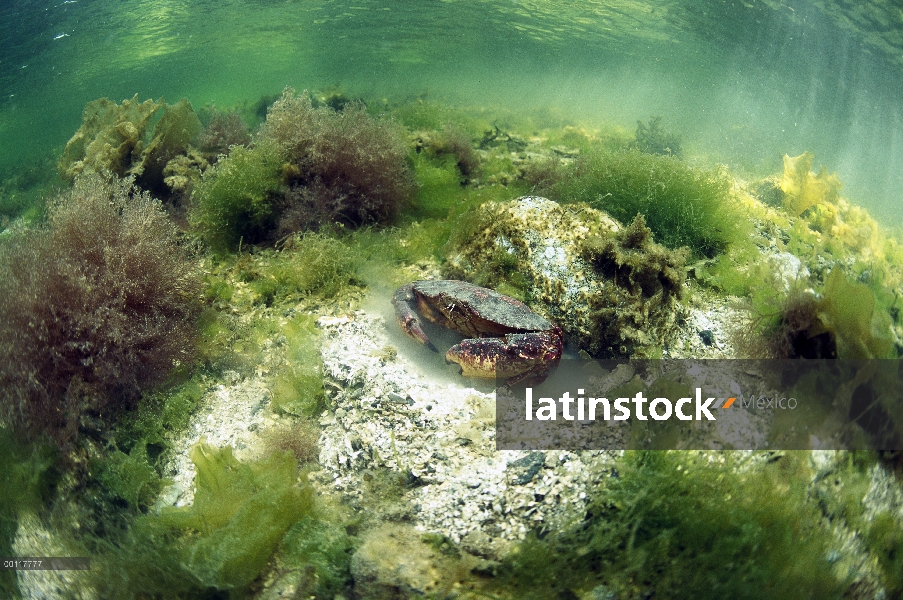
(743, 82)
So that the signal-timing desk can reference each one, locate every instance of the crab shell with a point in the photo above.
(507, 340)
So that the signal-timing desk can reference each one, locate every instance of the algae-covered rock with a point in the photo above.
(612, 289)
(396, 562)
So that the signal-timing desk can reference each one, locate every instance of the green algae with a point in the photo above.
(233, 201)
(321, 550)
(241, 511)
(582, 140)
(686, 524)
(682, 205)
(439, 189)
(427, 115)
(739, 271)
(312, 263)
(715, 525)
(27, 481)
(843, 496)
(223, 541)
(298, 387)
(386, 255)
(141, 437)
(271, 286)
(850, 311)
(443, 189)
(884, 533)
(130, 477)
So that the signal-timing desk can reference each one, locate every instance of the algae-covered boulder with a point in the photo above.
(611, 288)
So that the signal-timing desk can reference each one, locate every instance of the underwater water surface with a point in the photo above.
(743, 82)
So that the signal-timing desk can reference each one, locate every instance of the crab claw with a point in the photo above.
(404, 301)
(514, 357)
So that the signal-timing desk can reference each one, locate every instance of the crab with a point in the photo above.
(506, 340)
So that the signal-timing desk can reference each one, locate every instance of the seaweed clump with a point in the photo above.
(803, 190)
(651, 138)
(455, 143)
(846, 322)
(678, 525)
(682, 205)
(242, 512)
(234, 201)
(308, 167)
(113, 138)
(110, 138)
(309, 264)
(223, 131)
(799, 332)
(255, 503)
(95, 306)
(635, 262)
(648, 277)
(341, 166)
(173, 133)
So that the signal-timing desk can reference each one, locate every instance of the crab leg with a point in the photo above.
(516, 354)
(404, 301)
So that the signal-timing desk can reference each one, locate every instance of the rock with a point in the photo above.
(394, 562)
(611, 288)
(788, 268)
(444, 435)
(525, 469)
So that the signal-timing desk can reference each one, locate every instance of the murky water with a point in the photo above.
(744, 82)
